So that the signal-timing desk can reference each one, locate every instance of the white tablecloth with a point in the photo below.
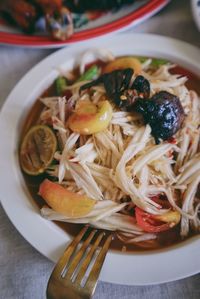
(23, 271)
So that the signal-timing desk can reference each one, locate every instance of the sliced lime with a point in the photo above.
(37, 149)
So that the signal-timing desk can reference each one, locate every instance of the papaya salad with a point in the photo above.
(115, 144)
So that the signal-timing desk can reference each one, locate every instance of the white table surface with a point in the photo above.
(23, 271)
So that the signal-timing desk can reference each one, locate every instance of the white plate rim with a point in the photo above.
(47, 238)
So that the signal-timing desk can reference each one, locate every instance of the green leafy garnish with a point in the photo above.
(156, 62)
(61, 84)
(90, 74)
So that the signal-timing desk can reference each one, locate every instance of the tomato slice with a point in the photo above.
(147, 222)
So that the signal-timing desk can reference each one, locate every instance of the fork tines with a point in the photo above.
(82, 262)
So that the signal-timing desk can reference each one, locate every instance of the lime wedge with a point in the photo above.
(37, 149)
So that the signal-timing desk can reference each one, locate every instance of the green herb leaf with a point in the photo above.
(90, 74)
(61, 84)
(156, 62)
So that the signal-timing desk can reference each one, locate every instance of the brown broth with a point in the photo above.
(164, 240)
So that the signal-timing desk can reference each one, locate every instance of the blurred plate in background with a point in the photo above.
(87, 25)
(196, 12)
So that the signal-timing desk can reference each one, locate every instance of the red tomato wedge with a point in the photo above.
(147, 222)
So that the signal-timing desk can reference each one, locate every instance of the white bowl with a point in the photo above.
(142, 268)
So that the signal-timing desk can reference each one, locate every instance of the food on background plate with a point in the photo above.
(57, 14)
(126, 156)
(83, 5)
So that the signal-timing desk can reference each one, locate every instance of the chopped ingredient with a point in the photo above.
(142, 86)
(64, 201)
(90, 74)
(155, 62)
(116, 83)
(156, 224)
(37, 149)
(61, 84)
(163, 112)
(122, 63)
(170, 217)
(89, 118)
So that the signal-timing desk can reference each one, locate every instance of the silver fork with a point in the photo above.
(67, 278)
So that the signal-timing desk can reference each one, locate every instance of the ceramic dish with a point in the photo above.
(195, 4)
(88, 25)
(140, 268)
